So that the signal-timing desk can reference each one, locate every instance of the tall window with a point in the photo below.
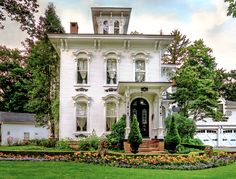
(81, 116)
(116, 27)
(111, 71)
(139, 70)
(111, 114)
(82, 71)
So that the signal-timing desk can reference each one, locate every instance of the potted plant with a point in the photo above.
(135, 137)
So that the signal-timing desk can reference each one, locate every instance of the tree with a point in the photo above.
(43, 63)
(228, 87)
(176, 51)
(231, 10)
(196, 92)
(172, 138)
(117, 136)
(21, 11)
(135, 136)
(13, 81)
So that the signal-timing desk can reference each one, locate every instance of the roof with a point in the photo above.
(14, 117)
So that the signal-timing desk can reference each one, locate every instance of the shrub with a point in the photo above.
(116, 138)
(44, 142)
(90, 143)
(84, 145)
(192, 141)
(172, 137)
(186, 127)
(63, 144)
(135, 137)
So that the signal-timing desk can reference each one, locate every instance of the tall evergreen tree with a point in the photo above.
(231, 10)
(176, 51)
(196, 92)
(43, 63)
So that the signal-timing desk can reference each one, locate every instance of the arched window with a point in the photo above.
(82, 102)
(111, 115)
(82, 66)
(81, 116)
(116, 27)
(140, 70)
(112, 58)
(105, 27)
(111, 71)
(140, 59)
(82, 71)
(111, 103)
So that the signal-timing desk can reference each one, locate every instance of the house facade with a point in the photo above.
(17, 127)
(111, 73)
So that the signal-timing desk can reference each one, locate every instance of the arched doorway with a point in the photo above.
(140, 108)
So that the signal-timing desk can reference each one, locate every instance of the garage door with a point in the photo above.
(208, 136)
(229, 138)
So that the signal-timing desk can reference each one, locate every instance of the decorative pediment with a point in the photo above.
(112, 54)
(111, 98)
(82, 54)
(81, 97)
(140, 55)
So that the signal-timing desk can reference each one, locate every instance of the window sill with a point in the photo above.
(109, 86)
(78, 133)
(82, 85)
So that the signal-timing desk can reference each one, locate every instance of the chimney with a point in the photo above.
(74, 28)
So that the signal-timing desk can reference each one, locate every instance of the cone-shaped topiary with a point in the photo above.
(172, 138)
(135, 136)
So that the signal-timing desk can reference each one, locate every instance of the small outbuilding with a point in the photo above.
(16, 127)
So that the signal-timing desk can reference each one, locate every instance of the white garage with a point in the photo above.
(219, 134)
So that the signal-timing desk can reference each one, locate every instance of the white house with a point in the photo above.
(16, 127)
(110, 73)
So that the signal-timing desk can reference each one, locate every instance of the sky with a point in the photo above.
(198, 19)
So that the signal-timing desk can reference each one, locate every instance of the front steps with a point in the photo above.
(149, 146)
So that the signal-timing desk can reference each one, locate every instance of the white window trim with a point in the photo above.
(111, 54)
(85, 55)
(82, 98)
(141, 55)
(111, 98)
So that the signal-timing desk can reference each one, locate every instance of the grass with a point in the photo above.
(23, 169)
(28, 148)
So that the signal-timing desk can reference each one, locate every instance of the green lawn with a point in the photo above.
(26, 169)
(28, 148)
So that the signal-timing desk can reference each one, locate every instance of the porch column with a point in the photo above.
(160, 130)
(155, 119)
(127, 111)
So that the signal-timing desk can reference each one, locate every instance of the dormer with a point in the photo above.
(110, 20)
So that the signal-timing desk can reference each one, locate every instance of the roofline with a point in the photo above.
(111, 36)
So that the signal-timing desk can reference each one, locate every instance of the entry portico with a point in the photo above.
(144, 99)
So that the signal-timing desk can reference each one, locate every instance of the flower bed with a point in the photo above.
(184, 162)
(192, 161)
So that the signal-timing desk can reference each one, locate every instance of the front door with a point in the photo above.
(140, 108)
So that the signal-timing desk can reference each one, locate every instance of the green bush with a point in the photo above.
(90, 143)
(135, 136)
(63, 144)
(172, 138)
(44, 142)
(186, 127)
(189, 140)
(117, 136)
